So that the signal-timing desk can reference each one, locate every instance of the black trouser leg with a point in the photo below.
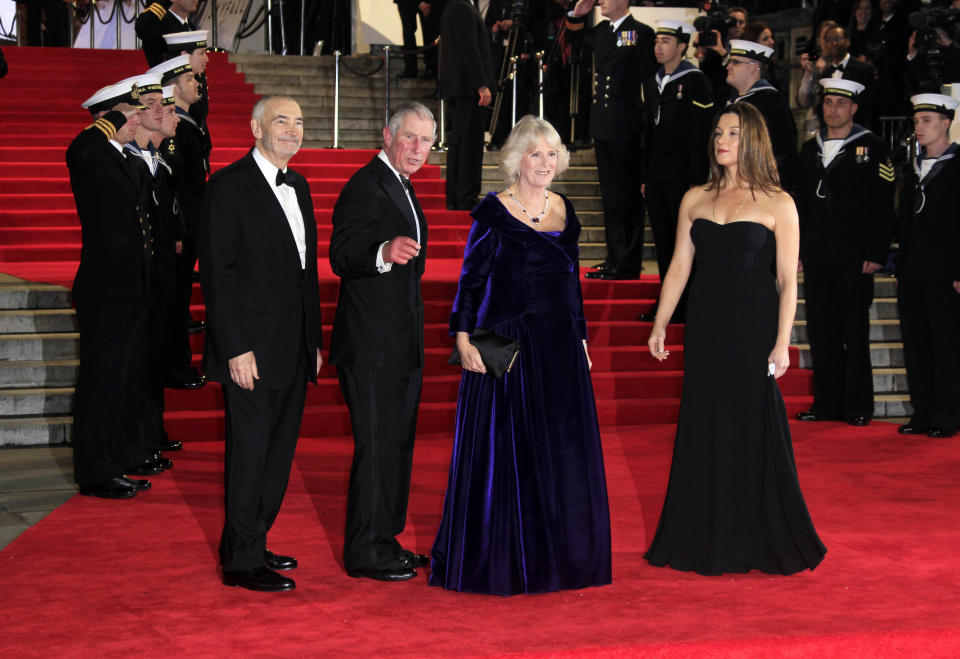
(943, 304)
(408, 24)
(465, 154)
(857, 296)
(826, 342)
(383, 412)
(185, 263)
(618, 171)
(917, 334)
(663, 208)
(262, 430)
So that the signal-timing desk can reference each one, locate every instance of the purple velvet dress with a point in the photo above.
(526, 503)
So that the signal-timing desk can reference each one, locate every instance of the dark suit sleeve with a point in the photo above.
(356, 232)
(477, 262)
(881, 222)
(93, 138)
(220, 250)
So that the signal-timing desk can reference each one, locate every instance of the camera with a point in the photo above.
(926, 22)
(716, 18)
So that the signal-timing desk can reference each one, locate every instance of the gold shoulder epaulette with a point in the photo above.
(157, 10)
(104, 127)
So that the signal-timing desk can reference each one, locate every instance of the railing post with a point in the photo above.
(119, 15)
(442, 144)
(270, 26)
(303, 18)
(93, 22)
(336, 100)
(513, 100)
(386, 86)
(71, 17)
(213, 23)
(540, 81)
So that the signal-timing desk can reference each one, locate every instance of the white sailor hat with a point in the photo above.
(168, 95)
(751, 50)
(188, 41)
(935, 103)
(172, 68)
(841, 87)
(127, 90)
(671, 28)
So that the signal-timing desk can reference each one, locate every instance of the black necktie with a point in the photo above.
(281, 177)
(408, 186)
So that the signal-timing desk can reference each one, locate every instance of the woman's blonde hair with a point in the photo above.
(756, 165)
(523, 138)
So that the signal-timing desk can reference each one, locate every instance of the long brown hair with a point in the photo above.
(755, 163)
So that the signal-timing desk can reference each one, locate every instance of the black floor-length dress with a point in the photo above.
(733, 503)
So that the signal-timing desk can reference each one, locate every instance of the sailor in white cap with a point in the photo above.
(160, 18)
(194, 45)
(928, 270)
(110, 292)
(623, 59)
(747, 63)
(844, 198)
(679, 107)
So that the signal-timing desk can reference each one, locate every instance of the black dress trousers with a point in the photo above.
(383, 409)
(618, 168)
(261, 438)
(465, 152)
(838, 323)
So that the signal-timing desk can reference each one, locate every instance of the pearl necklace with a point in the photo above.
(535, 220)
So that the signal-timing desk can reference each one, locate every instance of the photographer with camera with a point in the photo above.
(836, 62)
(623, 60)
(932, 52)
(715, 29)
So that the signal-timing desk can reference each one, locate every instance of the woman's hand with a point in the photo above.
(780, 358)
(658, 337)
(587, 353)
(469, 355)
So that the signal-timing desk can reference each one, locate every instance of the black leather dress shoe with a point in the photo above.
(383, 573)
(808, 416)
(115, 488)
(170, 445)
(190, 379)
(941, 433)
(600, 266)
(409, 559)
(278, 562)
(611, 274)
(155, 464)
(196, 327)
(858, 421)
(140, 485)
(262, 579)
(911, 429)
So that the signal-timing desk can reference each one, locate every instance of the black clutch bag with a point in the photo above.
(497, 352)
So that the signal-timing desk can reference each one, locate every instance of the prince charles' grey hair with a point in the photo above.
(409, 107)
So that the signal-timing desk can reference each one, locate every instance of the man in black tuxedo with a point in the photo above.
(623, 60)
(466, 78)
(258, 269)
(378, 249)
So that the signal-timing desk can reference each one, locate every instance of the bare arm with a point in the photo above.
(677, 276)
(787, 234)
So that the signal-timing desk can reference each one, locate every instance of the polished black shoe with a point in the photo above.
(170, 445)
(383, 573)
(155, 464)
(196, 327)
(412, 560)
(259, 578)
(140, 485)
(188, 379)
(115, 488)
(858, 421)
(600, 266)
(940, 433)
(911, 429)
(611, 274)
(278, 562)
(809, 415)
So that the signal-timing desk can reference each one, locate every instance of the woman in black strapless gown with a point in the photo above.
(733, 502)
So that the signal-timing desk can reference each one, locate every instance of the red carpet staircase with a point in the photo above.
(40, 241)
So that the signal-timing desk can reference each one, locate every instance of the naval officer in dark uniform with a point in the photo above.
(746, 65)
(110, 293)
(928, 270)
(623, 60)
(679, 105)
(194, 44)
(845, 202)
(160, 18)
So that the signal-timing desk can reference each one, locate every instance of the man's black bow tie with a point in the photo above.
(407, 184)
(281, 177)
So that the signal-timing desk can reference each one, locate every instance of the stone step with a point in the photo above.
(33, 296)
(36, 402)
(881, 329)
(882, 354)
(21, 321)
(882, 308)
(892, 406)
(39, 346)
(890, 380)
(35, 431)
(38, 373)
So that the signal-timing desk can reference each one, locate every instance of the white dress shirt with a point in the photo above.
(287, 197)
(381, 266)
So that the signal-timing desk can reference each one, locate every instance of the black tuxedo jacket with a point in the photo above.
(379, 322)
(110, 194)
(465, 61)
(257, 296)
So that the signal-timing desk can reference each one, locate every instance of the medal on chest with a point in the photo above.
(680, 92)
(862, 154)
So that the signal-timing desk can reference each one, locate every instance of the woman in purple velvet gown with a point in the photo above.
(526, 503)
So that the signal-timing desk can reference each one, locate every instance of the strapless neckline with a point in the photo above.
(703, 219)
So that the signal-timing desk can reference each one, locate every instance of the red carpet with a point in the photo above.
(102, 578)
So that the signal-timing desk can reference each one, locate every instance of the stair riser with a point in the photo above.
(884, 333)
(35, 435)
(879, 358)
(43, 297)
(22, 323)
(31, 376)
(35, 404)
(38, 349)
